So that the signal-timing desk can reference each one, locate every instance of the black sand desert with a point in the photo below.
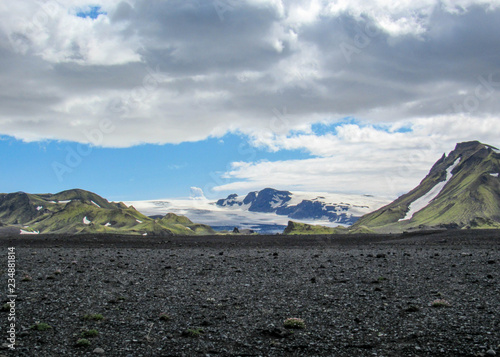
(365, 295)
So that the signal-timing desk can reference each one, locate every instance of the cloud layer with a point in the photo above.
(177, 71)
(183, 70)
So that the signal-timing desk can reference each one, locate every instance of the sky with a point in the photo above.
(142, 100)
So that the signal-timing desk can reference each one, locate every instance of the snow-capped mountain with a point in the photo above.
(333, 208)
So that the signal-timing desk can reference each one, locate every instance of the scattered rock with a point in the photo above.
(412, 308)
(276, 332)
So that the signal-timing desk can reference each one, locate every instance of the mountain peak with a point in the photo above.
(469, 148)
(467, 145)
(461, 189)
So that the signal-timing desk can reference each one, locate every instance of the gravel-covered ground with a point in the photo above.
(358, 296)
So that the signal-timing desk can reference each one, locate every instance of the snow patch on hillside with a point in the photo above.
(494, 175)
(424, 201)
(276, 202)
(28, 232)
(86, 221)
(39, 208)
(138, 221)
(234, 201)
(95, 204)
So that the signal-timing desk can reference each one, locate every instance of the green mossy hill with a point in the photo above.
(21, 207)
(469, 199)
(81, 195)
(171, 218)
(78, 211)
(18, 207)
(183, 223)
(304, 228)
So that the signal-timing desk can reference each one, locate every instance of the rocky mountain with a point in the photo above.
(341, 209)
(462, 190)
(78, 211)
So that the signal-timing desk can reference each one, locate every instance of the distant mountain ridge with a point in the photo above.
(304, 206)
(79, 211)
(462, 190)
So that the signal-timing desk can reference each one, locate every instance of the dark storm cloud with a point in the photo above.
(189, 65)
(190, 38)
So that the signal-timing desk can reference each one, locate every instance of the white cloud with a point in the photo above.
(407, 17)
(197, 193)
(361, 159)
(396, 18)
(52, 31)
(304, 12)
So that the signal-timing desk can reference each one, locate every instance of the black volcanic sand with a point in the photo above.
(358, 296)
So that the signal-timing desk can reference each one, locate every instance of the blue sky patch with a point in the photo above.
(92, 11)
(404, 129)
(139, 172)
(331, 128)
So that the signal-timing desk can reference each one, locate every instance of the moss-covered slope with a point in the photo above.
(462, 190)
(470, 197)
(79, 211)
(304, 228)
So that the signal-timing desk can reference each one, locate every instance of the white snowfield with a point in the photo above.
(205, 211)
(39, 208)
(138, 221)
(494, 175)
(107, 225)
(86, 221)
(28, 232)
(424, 201)
(95, 204)
(357, 205)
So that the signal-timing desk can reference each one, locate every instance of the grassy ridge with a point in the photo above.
(78, 211)
(471, 198)
(304, 228)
